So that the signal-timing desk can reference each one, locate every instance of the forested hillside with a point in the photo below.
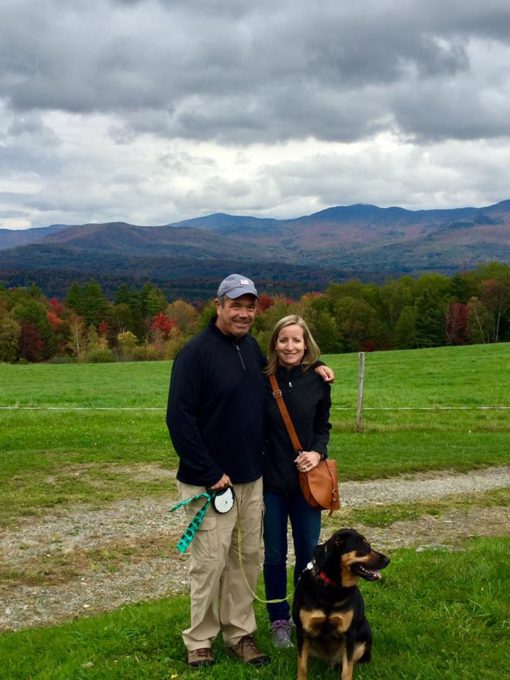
(290, 256)
(141, 323)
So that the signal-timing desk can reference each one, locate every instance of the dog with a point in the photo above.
(328, 608)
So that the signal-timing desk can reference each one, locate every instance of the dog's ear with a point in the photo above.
(338, 539)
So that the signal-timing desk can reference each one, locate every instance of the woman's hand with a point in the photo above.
(307, 460)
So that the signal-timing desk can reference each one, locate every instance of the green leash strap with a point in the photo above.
(245, 579)
(195, 523)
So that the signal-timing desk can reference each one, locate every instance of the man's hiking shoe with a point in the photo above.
(247, 651)
(281, 633)
(200, 658)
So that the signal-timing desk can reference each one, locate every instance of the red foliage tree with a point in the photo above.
(31, 343)
(456, 323)
(163, 324)
(56, 306)
(54, 319)
(103, 328)
(265, 301)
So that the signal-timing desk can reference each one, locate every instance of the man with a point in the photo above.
(215, 419)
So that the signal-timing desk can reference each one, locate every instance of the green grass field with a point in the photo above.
(81, 416)
(73, 433)
(436, 616)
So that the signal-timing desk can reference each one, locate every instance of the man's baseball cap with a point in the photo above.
(236, 285)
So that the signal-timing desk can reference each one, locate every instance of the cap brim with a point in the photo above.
(239, 292)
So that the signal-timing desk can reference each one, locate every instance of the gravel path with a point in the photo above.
(81, 561)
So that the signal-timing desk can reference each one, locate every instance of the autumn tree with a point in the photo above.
(128, 343)
(184, 315)
(162, 324)
(456, 323)
(10, 332)
(36, 341)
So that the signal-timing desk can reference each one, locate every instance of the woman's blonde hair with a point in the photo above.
(312, 351)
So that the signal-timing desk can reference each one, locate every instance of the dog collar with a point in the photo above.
(327, 580)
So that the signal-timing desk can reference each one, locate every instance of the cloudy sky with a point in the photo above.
(152, 111)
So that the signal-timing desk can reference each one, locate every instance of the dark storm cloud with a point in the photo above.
(259, 72)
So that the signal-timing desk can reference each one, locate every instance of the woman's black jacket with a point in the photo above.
(308, 400)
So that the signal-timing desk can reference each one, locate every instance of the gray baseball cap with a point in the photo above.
(236, 285)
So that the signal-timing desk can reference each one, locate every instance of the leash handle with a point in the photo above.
(204, 494)
(192, 528)
(195, 523)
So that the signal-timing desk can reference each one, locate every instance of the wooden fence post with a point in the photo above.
(361, 381)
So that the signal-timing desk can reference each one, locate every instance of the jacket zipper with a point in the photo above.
(240, 357)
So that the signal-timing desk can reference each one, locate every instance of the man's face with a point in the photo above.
(236, 317)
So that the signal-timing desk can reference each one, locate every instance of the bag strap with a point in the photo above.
(280, 402)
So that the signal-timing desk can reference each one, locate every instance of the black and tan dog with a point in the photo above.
(328, 608)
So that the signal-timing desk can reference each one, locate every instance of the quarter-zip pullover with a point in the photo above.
(215, 408)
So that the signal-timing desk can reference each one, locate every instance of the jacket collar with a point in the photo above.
(286, 374)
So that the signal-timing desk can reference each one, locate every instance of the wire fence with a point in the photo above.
(334, 408)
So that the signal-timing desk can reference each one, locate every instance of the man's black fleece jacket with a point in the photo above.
(215, 408)
(308, 401)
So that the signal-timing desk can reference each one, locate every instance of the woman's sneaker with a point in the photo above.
(281, 633)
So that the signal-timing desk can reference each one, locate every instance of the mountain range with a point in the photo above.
(292, 256)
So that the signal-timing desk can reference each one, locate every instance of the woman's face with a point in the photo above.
(290, 346)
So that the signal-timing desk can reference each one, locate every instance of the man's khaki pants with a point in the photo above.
(220, 597)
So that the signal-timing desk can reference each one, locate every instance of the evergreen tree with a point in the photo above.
(133, 298)
(430, 319)
(153, 301)
(405, 329)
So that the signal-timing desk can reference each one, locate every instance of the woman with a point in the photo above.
(292, 350)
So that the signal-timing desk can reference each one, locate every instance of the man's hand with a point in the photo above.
(222, 483)
(326, 373)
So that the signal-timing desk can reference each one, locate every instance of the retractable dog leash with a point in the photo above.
(222, 501)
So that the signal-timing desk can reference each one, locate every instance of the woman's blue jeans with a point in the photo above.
(306, 525)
